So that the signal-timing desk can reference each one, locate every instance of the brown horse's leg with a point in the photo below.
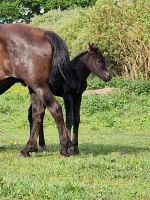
(55, 109)
(37, 118)
(41, 131)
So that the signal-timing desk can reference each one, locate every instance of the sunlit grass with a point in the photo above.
(111, 165)
(114, 160)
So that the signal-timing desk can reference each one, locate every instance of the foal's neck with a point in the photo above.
(80, 69)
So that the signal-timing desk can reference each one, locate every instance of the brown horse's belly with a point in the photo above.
(5, 65)
(25, 53)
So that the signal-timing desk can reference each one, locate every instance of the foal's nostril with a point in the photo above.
(107, 76)
(110, 77)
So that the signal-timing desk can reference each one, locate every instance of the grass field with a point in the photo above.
(114, 160)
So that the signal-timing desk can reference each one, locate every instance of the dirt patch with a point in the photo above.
(103, 91)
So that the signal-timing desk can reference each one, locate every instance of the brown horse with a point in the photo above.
(27, 55)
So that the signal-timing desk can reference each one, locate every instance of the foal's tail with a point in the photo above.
(60, 55)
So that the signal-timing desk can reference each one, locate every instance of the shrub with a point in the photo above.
(55, 19)
(121, 31)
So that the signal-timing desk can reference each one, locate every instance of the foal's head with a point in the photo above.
(96, 64)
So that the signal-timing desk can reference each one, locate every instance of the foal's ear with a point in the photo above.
(92, 47)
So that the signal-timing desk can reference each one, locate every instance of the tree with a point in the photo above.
(9, 11)
(24, 10)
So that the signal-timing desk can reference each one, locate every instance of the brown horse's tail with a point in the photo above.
(61, 58)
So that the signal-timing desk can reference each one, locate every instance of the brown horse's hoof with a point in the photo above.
(67, 151)
(24, 154)
(33, 149)
(64, 152)
(71, 151)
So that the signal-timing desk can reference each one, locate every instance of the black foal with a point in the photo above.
(80, 68)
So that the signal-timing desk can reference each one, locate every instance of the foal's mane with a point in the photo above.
(78, 56)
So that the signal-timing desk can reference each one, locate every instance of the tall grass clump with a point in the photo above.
(121, 29)
(138, 87)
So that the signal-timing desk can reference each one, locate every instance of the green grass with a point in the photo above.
(114, 160)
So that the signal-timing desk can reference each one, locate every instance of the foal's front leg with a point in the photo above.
(76, 122)
(68, 101)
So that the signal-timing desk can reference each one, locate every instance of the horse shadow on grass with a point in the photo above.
(105, 149)
(85, 149)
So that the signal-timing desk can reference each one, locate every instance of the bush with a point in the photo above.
(55, 19)
(121, 31)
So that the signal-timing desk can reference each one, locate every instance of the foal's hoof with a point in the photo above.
(43, 149)
(76, 150)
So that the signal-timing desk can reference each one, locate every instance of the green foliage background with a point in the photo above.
(14, 10)
(120, 29)
(114, 130)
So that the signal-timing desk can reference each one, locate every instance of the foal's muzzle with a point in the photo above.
(107, 76)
